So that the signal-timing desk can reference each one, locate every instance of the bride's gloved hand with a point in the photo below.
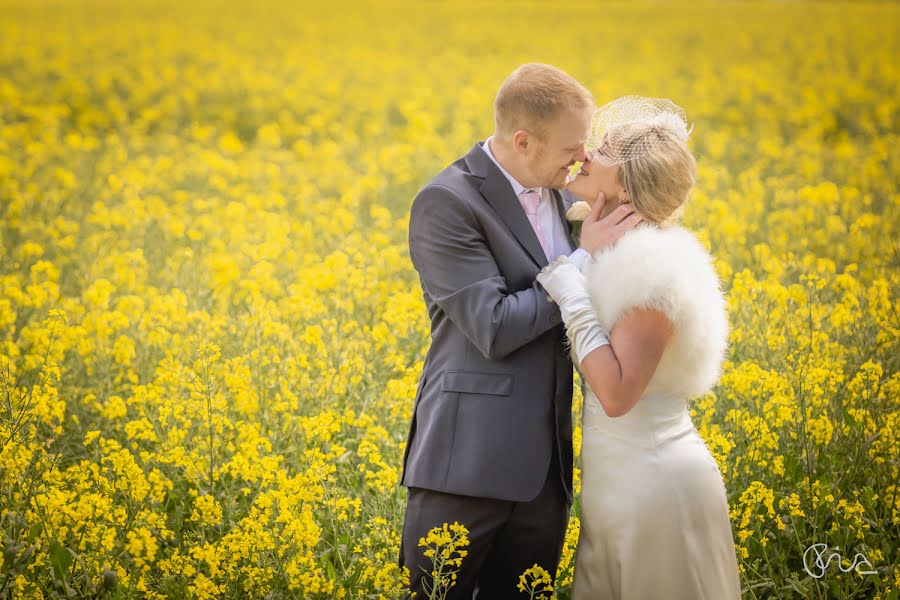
(566, 285)
(563, 281)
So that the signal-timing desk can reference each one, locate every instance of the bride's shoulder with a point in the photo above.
(650, 251)
(666, 268)
(655, 241)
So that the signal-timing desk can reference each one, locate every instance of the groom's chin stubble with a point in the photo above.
(559, 183)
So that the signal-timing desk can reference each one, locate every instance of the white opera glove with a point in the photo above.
(566, 285)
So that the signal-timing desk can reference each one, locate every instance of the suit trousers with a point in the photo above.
(505, 538)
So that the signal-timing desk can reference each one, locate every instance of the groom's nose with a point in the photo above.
(581, 155)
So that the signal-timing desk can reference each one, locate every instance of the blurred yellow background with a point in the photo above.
(212, 333)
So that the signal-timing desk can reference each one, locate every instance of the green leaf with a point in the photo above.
(61, 559)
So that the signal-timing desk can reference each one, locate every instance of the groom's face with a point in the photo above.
(563, 146)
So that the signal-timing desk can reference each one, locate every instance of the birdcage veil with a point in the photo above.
(631, 126)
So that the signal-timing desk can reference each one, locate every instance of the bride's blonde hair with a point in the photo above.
(659, 180)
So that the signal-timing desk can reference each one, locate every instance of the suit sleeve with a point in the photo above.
(459, 272)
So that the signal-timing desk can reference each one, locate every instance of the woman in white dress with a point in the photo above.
(648, 329)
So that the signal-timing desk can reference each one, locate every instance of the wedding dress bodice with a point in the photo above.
(654, 420)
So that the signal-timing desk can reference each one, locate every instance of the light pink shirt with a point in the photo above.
(547, 216)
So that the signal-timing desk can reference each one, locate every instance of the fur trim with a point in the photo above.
(670, 270)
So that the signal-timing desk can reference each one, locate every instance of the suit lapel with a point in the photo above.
(499, 193)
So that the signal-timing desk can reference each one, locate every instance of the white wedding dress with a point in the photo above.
(654, 512)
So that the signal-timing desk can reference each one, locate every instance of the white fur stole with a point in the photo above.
(667, 269)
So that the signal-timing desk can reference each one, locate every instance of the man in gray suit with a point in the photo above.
(490, 442)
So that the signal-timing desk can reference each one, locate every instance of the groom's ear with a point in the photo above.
(521, 139)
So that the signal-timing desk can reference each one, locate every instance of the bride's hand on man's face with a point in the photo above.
(597, 232)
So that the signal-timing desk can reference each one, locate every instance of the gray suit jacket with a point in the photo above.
(496, 388)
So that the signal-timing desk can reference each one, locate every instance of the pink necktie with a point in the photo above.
(530, 200)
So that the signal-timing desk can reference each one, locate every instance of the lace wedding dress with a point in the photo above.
(654, 512)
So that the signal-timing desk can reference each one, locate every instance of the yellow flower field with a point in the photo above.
(211, 333)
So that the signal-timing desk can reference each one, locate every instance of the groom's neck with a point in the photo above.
(509, 160)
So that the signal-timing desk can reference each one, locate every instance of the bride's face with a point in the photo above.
(595, 177)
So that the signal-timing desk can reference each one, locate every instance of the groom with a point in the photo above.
(490, 442)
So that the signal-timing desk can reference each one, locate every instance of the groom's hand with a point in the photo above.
(597, 233)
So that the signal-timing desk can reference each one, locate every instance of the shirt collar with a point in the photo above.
(517, 187)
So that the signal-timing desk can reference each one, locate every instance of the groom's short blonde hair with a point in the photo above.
(533, 96)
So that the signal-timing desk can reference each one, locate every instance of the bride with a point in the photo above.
(648, 329)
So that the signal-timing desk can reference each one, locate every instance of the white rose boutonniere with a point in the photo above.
(575, 216)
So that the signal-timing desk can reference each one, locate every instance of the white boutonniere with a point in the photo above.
(575, 216)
